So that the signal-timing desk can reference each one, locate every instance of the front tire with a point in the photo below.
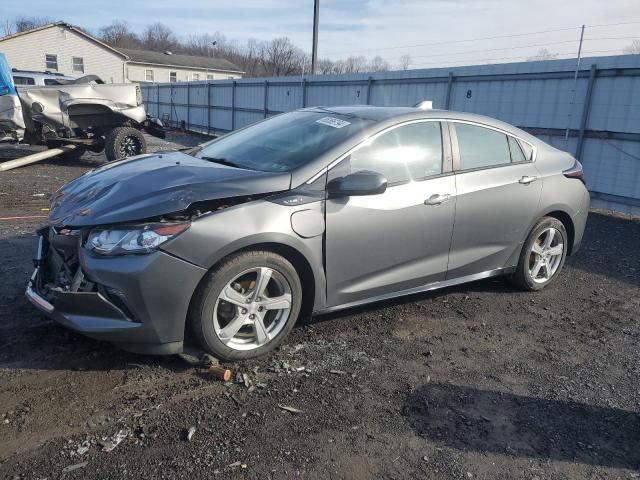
(246, 306)
(122, 142)
(543, 255)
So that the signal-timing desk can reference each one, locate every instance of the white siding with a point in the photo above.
(27, 52)
(136, 73)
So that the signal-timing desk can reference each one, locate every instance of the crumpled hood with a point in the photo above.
(151, 185)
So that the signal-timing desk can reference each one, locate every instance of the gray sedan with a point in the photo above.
(304, 213)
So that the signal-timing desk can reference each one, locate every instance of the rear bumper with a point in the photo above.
(580, 223)
(142, 305)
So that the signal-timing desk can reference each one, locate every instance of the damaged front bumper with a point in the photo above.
(139, 302)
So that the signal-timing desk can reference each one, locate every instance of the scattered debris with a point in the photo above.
(190, 433)
(237, 464)
(290, 409)
(83, 447)
(77, 466)
(113, 442)
(220, 372)
(338, 372)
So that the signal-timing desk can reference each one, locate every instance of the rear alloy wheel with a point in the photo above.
(543, 255)
(247, 306)
(123, 142)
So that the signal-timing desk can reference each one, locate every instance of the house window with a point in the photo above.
(196, 77)
(51, 61)
(173, 76)
(209, 76)
(78, 64)
(148, 75)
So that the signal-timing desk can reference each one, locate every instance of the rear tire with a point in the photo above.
(246, 306)
(542, 256)
(123, 142)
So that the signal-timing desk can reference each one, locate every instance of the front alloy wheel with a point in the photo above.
(252, 309)
(247, 305)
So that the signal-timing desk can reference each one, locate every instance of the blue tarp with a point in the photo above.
(6, 80)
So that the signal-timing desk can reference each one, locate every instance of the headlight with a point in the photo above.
(134, 239)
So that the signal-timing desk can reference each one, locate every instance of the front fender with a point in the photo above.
(218, 235)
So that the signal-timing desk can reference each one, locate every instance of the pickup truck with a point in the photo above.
(84, 111)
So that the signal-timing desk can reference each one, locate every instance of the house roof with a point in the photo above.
(144, 56)
(177, 60)
(68, 26)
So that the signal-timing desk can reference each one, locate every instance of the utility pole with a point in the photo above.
(314, 50)
(575, 85)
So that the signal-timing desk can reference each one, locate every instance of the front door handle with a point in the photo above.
(526, 180)
(437, 199)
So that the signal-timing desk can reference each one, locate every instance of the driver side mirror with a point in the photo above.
(360, 183)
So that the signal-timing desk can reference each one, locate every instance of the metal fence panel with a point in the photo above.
(602, 109)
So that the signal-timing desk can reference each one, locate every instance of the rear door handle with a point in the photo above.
(437, 199)
(526, 180)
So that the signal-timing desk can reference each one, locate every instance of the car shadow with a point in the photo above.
(469, 419)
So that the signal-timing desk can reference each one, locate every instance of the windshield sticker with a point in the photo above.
(333, 122)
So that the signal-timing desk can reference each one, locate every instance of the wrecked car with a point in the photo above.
(303, 213)
(84, 112)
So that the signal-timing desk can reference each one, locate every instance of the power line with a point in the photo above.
(513, 58)
(515, 47)
(464, 41)
(494, 49)
(451, 42)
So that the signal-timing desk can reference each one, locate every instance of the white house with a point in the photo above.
(61, 47)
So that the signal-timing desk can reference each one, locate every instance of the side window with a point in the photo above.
(408, 152)
(23, 80)
(481, 147)
(517, 155)
(527, 149)
(51, 81)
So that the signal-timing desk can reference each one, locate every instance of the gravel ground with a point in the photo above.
(477, 381)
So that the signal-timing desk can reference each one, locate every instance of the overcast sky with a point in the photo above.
(375, 27)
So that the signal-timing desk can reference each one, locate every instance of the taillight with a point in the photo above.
(575, 172)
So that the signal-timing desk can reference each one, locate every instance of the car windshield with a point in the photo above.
(284, 142)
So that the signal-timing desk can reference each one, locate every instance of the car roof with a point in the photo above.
(383, 117)
(34, 74)
(399, 114)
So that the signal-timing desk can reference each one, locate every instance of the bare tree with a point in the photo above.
(159, 37)
(118, 34)
(280, 57)
(378, 64)
(405, 61)
(543, 54)
(325, 66)
(7, 28)
(634, 48)
(354, 64)
(22, 24)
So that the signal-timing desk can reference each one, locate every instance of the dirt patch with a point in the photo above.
(477, 381)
